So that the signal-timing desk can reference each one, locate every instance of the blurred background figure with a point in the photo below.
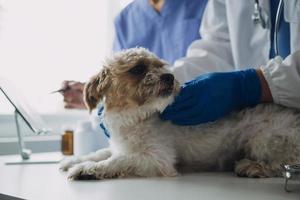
(165, 27)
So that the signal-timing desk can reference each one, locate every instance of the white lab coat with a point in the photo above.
(231, 41)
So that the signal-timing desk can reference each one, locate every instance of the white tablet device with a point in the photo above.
(30, 116)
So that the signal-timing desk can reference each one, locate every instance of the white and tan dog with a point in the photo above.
(135, 87)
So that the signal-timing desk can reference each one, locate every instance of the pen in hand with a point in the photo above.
(72, 92)
(61, 90)
(73, 86)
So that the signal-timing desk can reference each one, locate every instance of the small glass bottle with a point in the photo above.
(67, 142)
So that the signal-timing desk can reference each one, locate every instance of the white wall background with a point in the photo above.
(43, 42)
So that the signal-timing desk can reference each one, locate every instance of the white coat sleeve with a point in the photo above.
(283, 78)
(213, 51)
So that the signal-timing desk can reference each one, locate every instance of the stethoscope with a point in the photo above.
(290, 171)
(257, 18)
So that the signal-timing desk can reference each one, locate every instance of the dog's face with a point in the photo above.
(132, 78)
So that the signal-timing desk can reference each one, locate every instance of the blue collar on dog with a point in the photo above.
(100, 114)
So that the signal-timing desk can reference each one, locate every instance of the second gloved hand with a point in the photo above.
(212, 96)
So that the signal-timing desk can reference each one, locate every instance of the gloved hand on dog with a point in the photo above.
(213, 95)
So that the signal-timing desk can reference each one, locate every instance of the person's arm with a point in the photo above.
(214, 95)
(118, 43)
(211, 53)
(283, 78)
(266, 95)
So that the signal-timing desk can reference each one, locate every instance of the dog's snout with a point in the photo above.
(167, 78)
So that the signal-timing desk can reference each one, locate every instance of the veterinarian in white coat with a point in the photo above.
(232, 41)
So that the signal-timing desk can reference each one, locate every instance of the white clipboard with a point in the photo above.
(25, 110)
(30, 117)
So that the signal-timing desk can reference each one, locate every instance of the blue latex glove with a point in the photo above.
(212, 96)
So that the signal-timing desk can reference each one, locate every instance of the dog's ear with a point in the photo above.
(95, 89)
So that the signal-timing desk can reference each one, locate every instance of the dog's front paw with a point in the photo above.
(251, 169)
(83, 171)
(68, 162)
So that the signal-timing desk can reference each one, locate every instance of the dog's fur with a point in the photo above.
(134, 88)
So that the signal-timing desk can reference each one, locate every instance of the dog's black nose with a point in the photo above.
(167, 78)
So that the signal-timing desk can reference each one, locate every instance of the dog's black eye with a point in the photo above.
(139, 69)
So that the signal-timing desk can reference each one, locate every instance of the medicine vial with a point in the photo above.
(67, 142)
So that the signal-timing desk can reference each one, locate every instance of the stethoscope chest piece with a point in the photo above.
(290, 172)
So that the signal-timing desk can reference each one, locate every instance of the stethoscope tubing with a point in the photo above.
(257, 18)
(276, 28)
